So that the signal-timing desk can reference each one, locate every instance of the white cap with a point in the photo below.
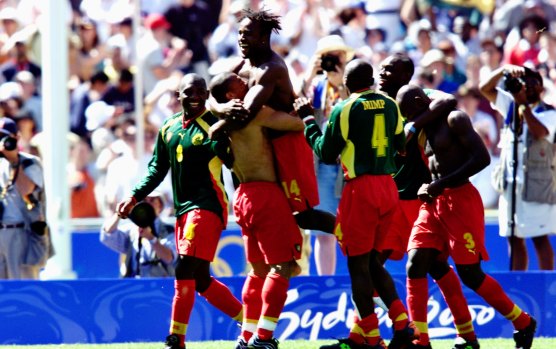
(432, 56)
(9, 13)
(9, 90)
(97, 114)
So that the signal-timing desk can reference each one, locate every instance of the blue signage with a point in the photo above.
(129, 310)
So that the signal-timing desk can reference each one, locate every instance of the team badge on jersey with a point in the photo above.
(197, 139)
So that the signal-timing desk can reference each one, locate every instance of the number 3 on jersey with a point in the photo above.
(379, 141)
(292, 188)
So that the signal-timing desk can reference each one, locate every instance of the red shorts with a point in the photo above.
(269, 230)
(396, 240)
(197, 234)
(454, 224)
(296, 170)
(365, 212)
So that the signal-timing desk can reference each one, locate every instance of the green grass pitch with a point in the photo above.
(539, 343)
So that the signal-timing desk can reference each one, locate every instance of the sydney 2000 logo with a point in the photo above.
(317, 311)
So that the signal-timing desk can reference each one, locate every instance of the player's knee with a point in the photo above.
(184, 270)
(202, 282)
(417, 265)
(471, 275)
(282, 269)
(439, 269)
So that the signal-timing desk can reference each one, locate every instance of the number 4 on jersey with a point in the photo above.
(379, 141)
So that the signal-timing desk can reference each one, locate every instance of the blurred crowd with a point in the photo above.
(453, 43)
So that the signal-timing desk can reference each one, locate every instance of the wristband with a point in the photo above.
(308, 118)
(522, 108)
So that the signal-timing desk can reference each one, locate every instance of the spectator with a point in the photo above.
(535, 205)
(150, 251)
(19, 61)
(469, 99)
(386, 14)
(303, 26)
(122, 93)
(82, 97)
(91, 50)
(526, 51)
(158, 57)
(191, 21)
(81, 179)
(491, 56)
(32, 101)
(434, 63)
(453, 69)
(23, 183)
(10, 99)
(327, 89)
(10, 25)
(27, 129)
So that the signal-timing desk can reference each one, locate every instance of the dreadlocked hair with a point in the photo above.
(269, 23)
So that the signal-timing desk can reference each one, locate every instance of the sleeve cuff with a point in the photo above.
(308, 119)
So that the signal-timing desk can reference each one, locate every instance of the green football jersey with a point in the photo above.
(195, 163)
(366, 130)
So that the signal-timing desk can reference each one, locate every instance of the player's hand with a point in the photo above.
(235, 110)
(218, 130)
(303, 107)
(124, 207)
(435, 188)
(423, 194)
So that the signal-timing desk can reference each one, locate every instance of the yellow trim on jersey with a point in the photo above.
(347, 155)
(215, 169)
(399, 126)
(202, 122)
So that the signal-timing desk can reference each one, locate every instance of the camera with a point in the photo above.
(329, 62)
(512, 84)
(9, 143)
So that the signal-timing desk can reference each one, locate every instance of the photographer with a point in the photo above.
(324, 84)
(534, 131)
(21, 208)
(150, 251)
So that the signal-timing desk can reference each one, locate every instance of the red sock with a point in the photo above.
(398, 314)
(184, 297)
(417, 299)
(252, 304)
(369, 327)
(494, 295)
(450, 287)
(220, 296)
(275, 292)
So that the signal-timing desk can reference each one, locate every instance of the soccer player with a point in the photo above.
(269, 85)
(396, 72)
(272, 239)
(451, 220)
(200, 203)
(365, 130)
